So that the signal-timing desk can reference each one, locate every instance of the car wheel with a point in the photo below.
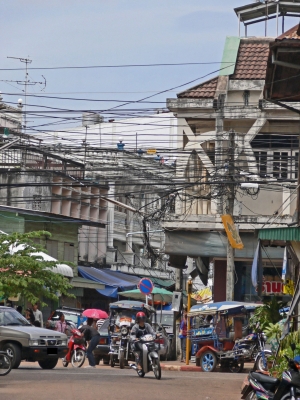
(48, 364)
(208, 361)
(14, 352)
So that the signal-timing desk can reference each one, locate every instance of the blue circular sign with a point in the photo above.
(146, 286)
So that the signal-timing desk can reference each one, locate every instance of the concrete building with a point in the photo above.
(264, 150)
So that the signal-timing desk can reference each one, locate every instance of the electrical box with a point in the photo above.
(176, 300)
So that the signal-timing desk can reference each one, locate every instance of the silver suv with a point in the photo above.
(23, 341)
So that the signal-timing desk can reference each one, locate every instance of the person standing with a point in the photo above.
(91, 335)
(29, 315)
(182, 336)
(37, 314)
(61, 324)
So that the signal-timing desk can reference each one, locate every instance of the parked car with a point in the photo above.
(101, 352)
(23, 341)
(164, 319)
(71, 317)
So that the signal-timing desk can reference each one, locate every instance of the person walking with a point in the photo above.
(37, 314)
(61, 324)
(182, 336)
(92, 336)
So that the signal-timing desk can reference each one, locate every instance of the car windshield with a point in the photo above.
(11, 317)
(166, 319)
(68, 317)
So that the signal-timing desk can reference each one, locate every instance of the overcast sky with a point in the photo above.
(113, 32)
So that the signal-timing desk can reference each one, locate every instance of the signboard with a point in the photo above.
(232, 233)
(151, 151)
(176, 300)
(146, 286)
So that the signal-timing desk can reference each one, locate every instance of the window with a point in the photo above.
(280, 164)
(246, 96)
(261, 162)
(52, 248)
(37, 202)
(69, 252)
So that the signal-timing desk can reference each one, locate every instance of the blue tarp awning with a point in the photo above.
(114, 281)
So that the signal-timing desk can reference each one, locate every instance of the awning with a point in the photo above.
(212, 244)
(79, 282)
(282, 234)
(114, 281)
(165, 283)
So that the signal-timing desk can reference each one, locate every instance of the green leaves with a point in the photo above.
(23, 271)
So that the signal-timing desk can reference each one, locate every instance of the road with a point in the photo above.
(29, 382)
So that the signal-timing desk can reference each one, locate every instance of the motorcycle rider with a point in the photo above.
(140, 329)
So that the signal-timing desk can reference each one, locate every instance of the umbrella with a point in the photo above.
(158, 294)
(94, 313)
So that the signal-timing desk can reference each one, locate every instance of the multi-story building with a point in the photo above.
(230, 107)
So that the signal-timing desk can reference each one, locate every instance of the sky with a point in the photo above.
(55, 33)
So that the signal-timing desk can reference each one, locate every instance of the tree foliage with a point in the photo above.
(24, 271)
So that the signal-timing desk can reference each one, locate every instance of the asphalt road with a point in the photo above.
(29, 382)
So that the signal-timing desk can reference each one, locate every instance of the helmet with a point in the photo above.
(140, 316)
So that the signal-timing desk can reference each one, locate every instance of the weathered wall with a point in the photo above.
(30, 197)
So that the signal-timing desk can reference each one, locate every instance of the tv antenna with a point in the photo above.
(26, 83)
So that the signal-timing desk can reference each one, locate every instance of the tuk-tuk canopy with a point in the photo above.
(228, 307)
(131, 305)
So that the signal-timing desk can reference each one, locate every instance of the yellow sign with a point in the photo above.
(232, 233)
(151, 151)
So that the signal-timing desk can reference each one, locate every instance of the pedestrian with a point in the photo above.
(61, 324)
(20, 309)
(92, 336)
(29, 315)
(182, 336)
(37, 314)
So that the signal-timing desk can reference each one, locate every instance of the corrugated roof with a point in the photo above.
(205, 90)
(293, 33)
(282, 234)
(252, 59)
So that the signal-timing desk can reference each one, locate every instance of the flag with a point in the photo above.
(285, 265)
(257, 270)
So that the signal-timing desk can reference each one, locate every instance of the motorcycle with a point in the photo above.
(119, 347)
(265, 387)
(77, 350)
(253, 349)
(150, 358)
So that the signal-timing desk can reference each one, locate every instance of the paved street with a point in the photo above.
(29, 382)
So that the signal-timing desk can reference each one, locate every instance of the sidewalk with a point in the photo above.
(179, 366)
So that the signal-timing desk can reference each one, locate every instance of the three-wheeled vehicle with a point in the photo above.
(214, 329)
(121, 320)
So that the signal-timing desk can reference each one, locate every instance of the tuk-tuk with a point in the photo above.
(214, 329)
(121, 320)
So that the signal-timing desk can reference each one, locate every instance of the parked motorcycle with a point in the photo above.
(77, 350)
(253, 348)
(150, 358)
(265, 387)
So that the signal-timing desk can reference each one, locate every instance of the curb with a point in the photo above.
(185, 368)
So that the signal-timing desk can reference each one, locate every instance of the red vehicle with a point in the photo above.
(77, 350)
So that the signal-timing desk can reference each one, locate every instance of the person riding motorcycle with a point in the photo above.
(140, 329)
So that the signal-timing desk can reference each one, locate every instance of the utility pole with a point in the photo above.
(178, 288)
(219, 143)
(230, 207)
(26, 83)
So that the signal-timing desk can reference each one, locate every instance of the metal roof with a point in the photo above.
(282, 234)
(263, 9)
